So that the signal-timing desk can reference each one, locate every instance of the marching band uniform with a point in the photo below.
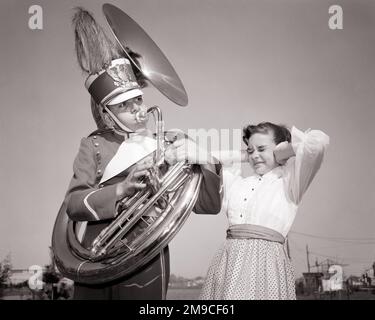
(88, 200)
(90, 197)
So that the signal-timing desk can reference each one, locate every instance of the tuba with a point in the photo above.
(146, 222)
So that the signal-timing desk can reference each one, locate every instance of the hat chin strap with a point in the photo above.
(117, 121)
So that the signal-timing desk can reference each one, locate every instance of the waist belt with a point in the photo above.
(251, 231)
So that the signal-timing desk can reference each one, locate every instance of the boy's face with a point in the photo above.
(127, 113)
(260, 149)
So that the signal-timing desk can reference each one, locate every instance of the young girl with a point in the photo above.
(122, 137)
(253, 264)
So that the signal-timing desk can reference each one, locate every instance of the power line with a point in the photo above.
(346, 245)
(342, 258)
(351, 260)
(334, 238)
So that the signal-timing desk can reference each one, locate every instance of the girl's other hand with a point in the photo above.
(283, 152)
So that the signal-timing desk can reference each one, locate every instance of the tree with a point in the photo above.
(5, 270)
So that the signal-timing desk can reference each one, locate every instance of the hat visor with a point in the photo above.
(124, 96)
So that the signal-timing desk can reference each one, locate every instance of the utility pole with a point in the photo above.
(308, 262)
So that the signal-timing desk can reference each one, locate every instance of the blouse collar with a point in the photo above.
(275, 173)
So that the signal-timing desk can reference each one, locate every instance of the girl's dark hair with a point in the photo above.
(280, 132)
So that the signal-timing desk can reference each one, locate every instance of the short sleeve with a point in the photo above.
(210, 194)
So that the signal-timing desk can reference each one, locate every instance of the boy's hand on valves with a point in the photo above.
(186, 150)
(133, 182)
(170, 155)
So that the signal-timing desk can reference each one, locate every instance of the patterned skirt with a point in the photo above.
(250, 269)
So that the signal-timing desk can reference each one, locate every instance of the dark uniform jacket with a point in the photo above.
(87, 200)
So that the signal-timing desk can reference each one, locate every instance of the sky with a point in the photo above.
(241, 62)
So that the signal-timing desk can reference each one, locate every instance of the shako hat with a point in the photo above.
(114, 84)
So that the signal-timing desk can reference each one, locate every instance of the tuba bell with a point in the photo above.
(146, 222)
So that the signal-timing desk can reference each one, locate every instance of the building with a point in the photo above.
(313, 282)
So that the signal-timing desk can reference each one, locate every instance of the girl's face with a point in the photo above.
(260, 149)
(127, 111)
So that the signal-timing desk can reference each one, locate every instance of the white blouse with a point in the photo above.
(272, 200)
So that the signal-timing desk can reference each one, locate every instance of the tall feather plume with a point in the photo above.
(93, 47)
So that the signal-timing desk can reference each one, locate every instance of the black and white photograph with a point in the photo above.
(187, 150)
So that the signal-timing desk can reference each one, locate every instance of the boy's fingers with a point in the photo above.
(138, 185)
(141, 173)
